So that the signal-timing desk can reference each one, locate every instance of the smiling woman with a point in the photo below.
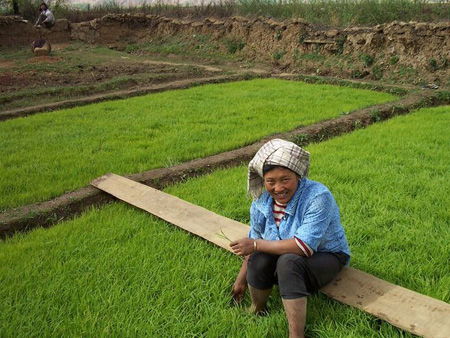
(281, 183)
(296, 239)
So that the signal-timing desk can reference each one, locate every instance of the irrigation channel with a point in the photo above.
(69, 205)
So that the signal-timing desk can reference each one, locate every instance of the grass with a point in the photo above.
(118, 271)
(197, 46)
(390, 181)
(347, 12)
(46, 155)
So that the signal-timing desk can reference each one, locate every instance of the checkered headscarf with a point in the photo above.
(276, 152)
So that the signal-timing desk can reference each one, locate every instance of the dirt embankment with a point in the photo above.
(419, 51)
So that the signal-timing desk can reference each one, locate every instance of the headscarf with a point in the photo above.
(280, 153)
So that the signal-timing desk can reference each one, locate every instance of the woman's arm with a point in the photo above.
(240, 284)
(247, 246)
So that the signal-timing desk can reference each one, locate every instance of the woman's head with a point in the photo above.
(276, 153)
(43, 6)
(280, 182)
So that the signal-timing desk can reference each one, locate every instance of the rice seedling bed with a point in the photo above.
(46, 155)
(119, 271)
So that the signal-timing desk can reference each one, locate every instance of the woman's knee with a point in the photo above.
(261, 270)
(289, 265)
(261, 262)
(292, 276)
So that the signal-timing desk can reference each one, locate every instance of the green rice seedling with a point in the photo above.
(118, 271)
(46, 155)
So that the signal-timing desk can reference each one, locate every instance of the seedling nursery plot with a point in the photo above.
(46, 155)
(118, 271)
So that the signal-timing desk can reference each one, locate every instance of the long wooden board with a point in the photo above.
(406, 309)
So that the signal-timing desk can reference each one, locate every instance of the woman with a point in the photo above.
(296, 239)
(46, 17)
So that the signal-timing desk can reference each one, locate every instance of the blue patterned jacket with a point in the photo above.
(312, 216)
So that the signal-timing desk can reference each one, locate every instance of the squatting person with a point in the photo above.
(46, 17)
(296, 238)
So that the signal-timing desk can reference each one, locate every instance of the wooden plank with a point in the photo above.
(188, 216)
(406, 309)
(411, 311)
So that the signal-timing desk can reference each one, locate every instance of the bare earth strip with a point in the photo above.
(71, 204)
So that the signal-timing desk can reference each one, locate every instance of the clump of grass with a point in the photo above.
(49, 154)
(278, 55)
(233, 45)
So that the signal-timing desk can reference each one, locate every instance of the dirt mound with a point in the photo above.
(396, 52)
(399, 51)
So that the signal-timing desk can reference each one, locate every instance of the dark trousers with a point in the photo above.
(42, 17)
(296, 276)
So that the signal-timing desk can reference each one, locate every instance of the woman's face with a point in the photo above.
(42, 7)
(281, 183)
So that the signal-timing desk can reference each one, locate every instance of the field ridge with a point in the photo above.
(66, 206)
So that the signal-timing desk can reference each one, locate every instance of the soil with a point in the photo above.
(13, 81)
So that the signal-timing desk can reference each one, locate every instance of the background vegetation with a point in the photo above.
(118, 271)
(321, 12)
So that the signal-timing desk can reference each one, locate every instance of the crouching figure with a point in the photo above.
(46, 17)
(296, 238)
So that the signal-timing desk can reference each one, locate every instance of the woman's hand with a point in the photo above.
(238, 291)
(240, 284)
(243, 246)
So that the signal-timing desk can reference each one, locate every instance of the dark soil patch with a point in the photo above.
(44, 59)
(85, 76)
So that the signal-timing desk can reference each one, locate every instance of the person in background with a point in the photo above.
(296, 238)
(46, 17)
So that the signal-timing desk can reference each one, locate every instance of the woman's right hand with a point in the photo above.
(239, 288)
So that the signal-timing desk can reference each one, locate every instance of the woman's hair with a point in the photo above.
(43, 4)
(269, 167)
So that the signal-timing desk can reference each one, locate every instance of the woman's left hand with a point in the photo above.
(243, 246)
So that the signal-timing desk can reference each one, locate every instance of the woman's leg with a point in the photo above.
(259, 299)
(296, 315)
(261, 278)
(298, 276)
